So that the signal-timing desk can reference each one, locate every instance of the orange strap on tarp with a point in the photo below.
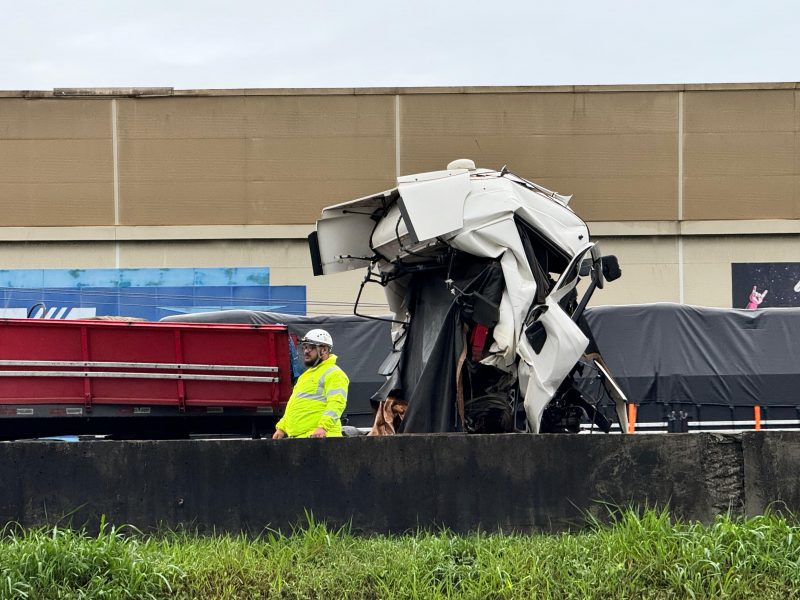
(757, 415)
(631, 418)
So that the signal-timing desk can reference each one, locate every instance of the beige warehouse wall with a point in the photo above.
(610, 150)
(742, 156)
(56, 163)
(250, 160)
(650, 270)
(223, 157)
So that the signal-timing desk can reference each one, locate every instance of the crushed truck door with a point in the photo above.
(550, 344)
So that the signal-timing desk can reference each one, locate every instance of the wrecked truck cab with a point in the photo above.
(481, 271)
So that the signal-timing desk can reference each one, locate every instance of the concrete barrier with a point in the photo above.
(393, 484)
(771, 471)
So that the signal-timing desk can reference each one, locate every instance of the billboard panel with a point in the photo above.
(765, 285)
(145, 293)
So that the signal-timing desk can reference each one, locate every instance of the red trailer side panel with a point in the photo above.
(176, 364)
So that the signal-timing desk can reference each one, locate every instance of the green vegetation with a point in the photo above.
(636, 556)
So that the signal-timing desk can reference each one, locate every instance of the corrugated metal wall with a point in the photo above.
(638, 154)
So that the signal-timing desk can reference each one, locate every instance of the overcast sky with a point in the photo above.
(301, 43)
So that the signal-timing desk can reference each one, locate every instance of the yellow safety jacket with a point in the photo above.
(318, 400)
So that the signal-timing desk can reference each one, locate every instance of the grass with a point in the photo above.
(646, 555)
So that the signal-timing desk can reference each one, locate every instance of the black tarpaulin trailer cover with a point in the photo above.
(430, 355)
(444, 307)
(360, 344)
(713, 363)
(662, 355)
(677, 355)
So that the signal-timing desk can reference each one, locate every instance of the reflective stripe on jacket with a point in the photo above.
(318, 400)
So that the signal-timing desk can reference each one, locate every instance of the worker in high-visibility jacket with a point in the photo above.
(320, 394)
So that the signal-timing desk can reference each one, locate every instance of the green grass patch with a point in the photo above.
(645, 555)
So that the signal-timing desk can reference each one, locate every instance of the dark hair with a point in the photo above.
(397, 394)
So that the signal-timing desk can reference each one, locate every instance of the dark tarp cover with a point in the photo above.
(662, 355)
(360, 344)
(436, 334)
(672, 354)
(430, 356)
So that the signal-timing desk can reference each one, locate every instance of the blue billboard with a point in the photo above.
(145, 293)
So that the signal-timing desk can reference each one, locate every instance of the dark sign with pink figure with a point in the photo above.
(765, 285)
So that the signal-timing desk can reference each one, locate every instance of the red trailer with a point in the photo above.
(140, 379)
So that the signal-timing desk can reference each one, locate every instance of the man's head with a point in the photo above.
(317, 345)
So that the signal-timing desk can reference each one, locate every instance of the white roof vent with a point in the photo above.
(461, 163)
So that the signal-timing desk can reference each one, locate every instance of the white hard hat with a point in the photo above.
(318, 336)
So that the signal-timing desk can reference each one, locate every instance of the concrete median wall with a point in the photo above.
(508, 482)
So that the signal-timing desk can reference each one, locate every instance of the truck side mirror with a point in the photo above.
(313, 248)
(611, 270)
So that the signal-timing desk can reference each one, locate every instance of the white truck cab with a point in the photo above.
(481, 271)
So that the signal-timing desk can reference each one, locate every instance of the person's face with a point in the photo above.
(312, 353)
